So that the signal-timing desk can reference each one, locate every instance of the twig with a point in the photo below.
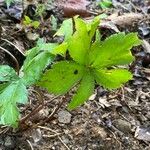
(30, 144)
(54, 112)
(48, 129)
(51, 136)
(50, 116)
(13, 45)
(51, 130)
(63, 143)
(36, 109)
(22, 8)
(115, 137)
(13, 57)
(4, 130)
(39, 97)
(123, 94)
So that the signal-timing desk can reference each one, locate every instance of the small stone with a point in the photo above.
(123, 125)
(36, 135)
(32, 36)
(99, 131)
(65, 140)
(79, 130)
(64, 117)
(104, 103)
(148, 115)
(142, 134)
(92, 97)
(9, 142)
(143, 96)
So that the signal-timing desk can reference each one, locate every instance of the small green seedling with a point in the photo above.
(30, 23)
(41, 8)
(104, 4)
(92, 62)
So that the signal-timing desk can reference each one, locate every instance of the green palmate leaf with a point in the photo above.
(84, 91)
(115, 50)
(98, 36)
(33, 71)
(10, 115)
(14, 93)
(7, 73)
(3, 86)
(62, 77)
(36, 50)
(92, 27)
(113, 78)
(27, 20)
(79, 44)
(95, 48)
(66, 29)
(61, 49)
(37, 60)
(94, 52)
(35, 24)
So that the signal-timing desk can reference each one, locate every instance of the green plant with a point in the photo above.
(41, 8)
(104, 4)
(92, 62)
(13, 89)
(30, 23)
(9, 2)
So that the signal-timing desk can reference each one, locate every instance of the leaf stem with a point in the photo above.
(36, 109)
(13, 57)
(54, 111)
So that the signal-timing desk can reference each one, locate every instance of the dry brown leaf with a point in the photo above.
(125, 19)
(74, 7)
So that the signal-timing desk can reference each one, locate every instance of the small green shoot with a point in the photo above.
(30, 23)
(40, 9)
(104, 4)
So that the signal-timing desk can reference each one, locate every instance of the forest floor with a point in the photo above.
(110, 120)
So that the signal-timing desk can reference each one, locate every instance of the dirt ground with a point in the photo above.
(110, 120)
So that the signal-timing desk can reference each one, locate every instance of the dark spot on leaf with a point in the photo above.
(76, 72)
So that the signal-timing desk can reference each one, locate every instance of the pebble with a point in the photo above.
(142, 134)
(9, 142)
(32, 36)
(99, 131)
(123, 125)
(64, 117)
